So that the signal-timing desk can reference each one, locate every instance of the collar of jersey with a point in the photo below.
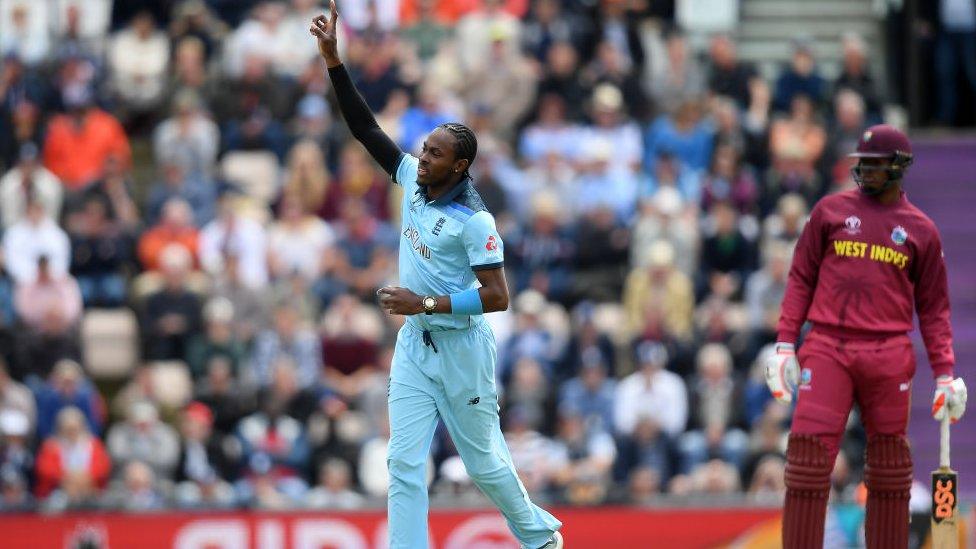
(447, 197)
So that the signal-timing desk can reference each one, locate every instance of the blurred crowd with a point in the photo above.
(184, 166)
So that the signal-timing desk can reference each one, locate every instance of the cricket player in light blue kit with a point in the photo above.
(452, 273)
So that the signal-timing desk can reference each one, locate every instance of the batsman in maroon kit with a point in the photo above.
(866, 261)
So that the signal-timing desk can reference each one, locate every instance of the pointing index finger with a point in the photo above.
(335, 14)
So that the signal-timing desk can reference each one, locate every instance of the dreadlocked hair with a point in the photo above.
(465, 143)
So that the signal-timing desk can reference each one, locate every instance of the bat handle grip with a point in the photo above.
(944, 442)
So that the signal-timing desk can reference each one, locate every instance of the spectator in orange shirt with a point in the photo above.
(175, 227)
(79, 142)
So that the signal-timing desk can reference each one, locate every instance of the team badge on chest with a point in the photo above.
(899, 235)
(852, 224)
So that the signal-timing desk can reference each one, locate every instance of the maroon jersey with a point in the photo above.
(861, 268)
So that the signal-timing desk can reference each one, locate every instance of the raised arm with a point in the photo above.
(354, 110)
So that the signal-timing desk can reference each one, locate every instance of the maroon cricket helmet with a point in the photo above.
(883, 141)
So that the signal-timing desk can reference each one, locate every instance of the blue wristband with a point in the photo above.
(467, 302)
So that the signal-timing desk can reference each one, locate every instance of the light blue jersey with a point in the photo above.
(444, 367)
(442, 243)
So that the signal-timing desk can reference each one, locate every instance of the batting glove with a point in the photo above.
(783, 372)
(950, 398)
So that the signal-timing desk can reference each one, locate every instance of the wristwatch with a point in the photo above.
(430, 303)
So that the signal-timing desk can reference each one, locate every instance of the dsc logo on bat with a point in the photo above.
(943, 499)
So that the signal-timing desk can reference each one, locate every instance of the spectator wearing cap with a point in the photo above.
(611, 125)
(175, 227)
(716, 406)
(16, 396)
(666, 216)
(138, 60)
(66, 387)
(236, 234)
(36, 234)
(101, 252)
(603, 183)
(651, 393)
(502, 81)
(188, 138)
(217, 339)
(143, 437)
(479, 26)
(171, 315)
(591, 393)
(659, 291)
(28, 180)
(203, 467)
(801, 78)
(50, 309)
(79, 141)
(72, 464)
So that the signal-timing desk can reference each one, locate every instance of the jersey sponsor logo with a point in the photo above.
(852, 224)
(492, 244)
(438, 226)
(874, 252)
(899, 235)
(416, 243)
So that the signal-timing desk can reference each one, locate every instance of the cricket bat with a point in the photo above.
(945, 527)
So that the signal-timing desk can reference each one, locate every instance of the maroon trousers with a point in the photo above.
(836, 373)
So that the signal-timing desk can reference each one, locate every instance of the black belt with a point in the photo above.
(429, 341)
